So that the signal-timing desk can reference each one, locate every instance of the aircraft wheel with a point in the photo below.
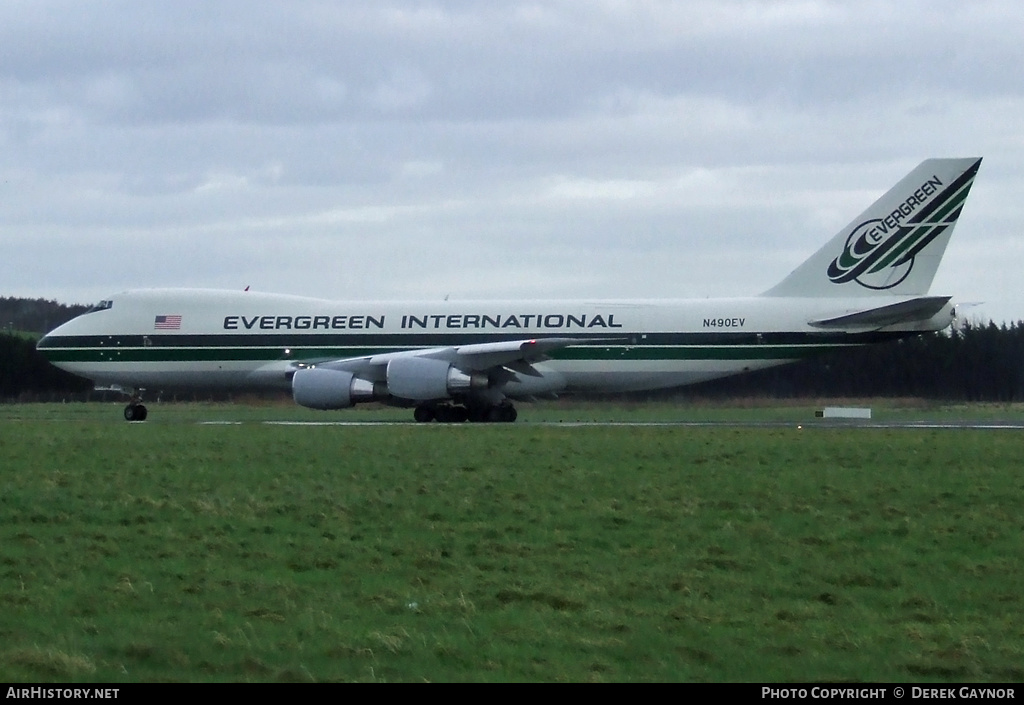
(505, 413)
(455, 414)
(446, 413)
(135, 412)
(479, 414)
(424, 414)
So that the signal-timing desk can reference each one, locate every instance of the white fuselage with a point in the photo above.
(199, 338)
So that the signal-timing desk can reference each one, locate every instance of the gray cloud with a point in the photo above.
(405, 149)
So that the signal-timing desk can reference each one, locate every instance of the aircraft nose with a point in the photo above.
(50, 342)
(45, 344)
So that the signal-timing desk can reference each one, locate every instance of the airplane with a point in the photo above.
(471, 360)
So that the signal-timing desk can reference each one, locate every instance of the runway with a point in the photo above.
(811, 425)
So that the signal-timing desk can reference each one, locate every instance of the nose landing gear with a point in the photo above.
(135, 411)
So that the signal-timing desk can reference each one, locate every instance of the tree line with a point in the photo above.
(24, 372)
(37, 316)
(972, 362)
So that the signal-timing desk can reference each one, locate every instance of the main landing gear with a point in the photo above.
(450, 413)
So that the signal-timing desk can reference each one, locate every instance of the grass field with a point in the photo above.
(171, 550)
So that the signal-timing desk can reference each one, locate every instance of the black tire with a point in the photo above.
(135, 412)
(505, 413)
(424, 414)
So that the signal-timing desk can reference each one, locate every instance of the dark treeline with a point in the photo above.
(37, 316)
(26, 375)
(971, 363)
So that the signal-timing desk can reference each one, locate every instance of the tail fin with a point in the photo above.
(894, 247)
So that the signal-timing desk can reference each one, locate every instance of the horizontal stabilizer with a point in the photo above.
(919, 309)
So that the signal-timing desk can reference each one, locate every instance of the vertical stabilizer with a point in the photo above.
(894, 247)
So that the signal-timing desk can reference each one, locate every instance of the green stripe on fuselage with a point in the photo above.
(656, 346)
(702, 352)
(402, 341)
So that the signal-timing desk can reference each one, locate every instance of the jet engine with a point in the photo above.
(425, 378)
(322, 388)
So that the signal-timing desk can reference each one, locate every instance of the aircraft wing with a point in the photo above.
(425, 374)
(921, 308)
(469, 358)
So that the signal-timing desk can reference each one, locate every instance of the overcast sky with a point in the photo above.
(564, 149)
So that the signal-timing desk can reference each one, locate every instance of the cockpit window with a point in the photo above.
(101, 306)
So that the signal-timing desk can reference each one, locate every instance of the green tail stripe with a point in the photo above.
(907, 242)
(952, 204)
(923, 243)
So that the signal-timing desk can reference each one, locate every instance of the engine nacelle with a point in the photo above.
(424, 378)
(322, 388)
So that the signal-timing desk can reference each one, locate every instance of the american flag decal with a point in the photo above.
(167, 323)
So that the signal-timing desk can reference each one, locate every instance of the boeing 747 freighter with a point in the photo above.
(470, 360)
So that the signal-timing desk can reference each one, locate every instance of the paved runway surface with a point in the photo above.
(679, 424)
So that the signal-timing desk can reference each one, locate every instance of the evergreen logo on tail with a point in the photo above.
(879, 253)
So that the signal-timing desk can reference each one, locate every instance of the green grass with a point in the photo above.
(753, 410)
(175, 551)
